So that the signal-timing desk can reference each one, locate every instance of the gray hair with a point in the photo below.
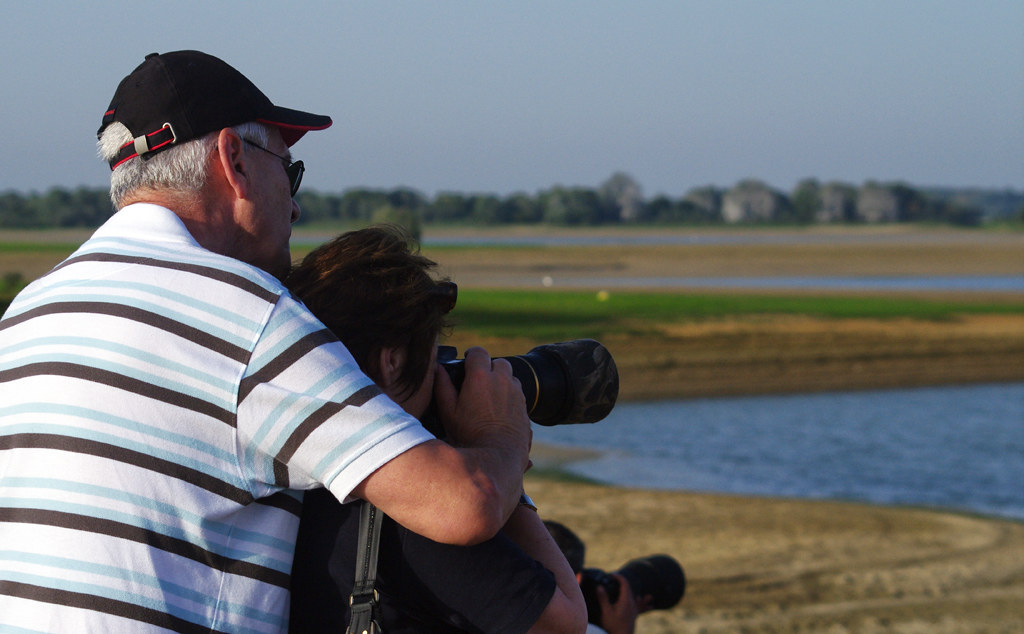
(182, 168)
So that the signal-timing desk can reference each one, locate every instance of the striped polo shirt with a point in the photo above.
(160, 408)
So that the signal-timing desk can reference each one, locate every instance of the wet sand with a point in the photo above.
(780, 565)
(793, 354)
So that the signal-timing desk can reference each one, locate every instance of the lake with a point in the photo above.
(958, 283)
(958, 448)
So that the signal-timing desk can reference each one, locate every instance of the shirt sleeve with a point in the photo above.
(308, 416)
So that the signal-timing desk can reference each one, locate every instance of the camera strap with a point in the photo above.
(364, 601)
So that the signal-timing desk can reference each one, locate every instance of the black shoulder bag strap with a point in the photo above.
(363, 602)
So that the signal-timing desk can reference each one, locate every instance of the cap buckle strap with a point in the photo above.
(142, 141)
(174, 136)
(140, 145)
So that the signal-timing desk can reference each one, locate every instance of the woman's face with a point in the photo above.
(416, 403)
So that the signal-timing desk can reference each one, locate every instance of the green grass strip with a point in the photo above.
(550, 314)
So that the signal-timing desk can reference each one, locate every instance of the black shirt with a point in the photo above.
(424, 586)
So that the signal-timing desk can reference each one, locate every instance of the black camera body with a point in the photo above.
(659, 576)
(564, 383)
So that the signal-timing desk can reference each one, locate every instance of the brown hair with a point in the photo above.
(373, 289)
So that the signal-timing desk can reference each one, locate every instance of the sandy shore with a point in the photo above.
(794, 353)
(776, 565)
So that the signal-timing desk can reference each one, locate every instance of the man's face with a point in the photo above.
(269, 226)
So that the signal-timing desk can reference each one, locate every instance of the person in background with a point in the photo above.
(163, 398)
(378, 296)
(615, 618)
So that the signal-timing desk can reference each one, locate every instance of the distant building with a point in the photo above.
(751, 201)
(707, 199)
(877, 203)
(838, 203)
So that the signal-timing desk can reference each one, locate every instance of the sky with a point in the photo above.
(520, 96)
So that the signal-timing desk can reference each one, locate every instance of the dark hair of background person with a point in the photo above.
(569, 543)
(373, 290)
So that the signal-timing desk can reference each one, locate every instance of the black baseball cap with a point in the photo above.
(175, 97)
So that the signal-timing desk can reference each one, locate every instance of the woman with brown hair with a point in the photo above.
(377, 295)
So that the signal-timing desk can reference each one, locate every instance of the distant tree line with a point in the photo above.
(619, 200)
(81, 207)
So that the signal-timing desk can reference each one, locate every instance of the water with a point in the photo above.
(681, 238)
(960, 283)
(959, 448)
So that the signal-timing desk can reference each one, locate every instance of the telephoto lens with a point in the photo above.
(564, 383)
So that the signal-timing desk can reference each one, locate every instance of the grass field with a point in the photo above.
(541, 315)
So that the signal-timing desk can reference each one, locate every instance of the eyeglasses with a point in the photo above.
(293, 169)
(447, 293)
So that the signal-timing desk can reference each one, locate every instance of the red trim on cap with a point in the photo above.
(114, 166)
(291, 133)
(291, 126)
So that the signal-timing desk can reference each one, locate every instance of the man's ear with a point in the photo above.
(392, 360)
(234, 162)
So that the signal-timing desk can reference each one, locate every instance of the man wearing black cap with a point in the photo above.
(162, 397)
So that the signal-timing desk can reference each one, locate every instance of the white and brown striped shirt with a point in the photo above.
(160, 406)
